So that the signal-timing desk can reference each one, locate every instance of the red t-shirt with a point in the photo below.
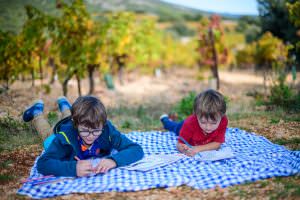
(194, 135)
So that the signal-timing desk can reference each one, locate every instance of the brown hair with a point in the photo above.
(209, 104)
(88, 111)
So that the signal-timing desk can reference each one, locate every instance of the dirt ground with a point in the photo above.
(139, 89)
(152, 90)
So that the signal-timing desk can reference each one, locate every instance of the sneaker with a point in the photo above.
(37, 108)
(63, 104)
(163, 116)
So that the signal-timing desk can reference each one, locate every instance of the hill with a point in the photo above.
(12, 13)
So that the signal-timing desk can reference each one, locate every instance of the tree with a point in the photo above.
(9, 58)
(131, 39)
(250, 26)
(274, 18)
(95, 50)
(245, 56)
(294, 15)
(70, 34)
(270, 52)
(119, 39)
(34, 36)
(33, 39)
(211, 46)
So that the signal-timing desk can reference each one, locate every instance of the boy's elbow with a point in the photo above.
(42, 166)
(218, 145)
(139, 152)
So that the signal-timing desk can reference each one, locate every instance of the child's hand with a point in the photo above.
(105, 165)
(190, 152)
(83, 168)
(186, 150)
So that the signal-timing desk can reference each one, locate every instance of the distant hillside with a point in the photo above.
(12, 12)
(165, 11)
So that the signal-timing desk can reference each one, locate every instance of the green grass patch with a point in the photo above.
(282, 141)
(292, 143)
(264, 184)
(137, 118)
(5, 164)
(274, 121)
(273, 116)
(126, 124)
(238, 191)
(14, 134)
(52, 117)
(5, 178)
(292, 118)
(291, 188)
(184, 107)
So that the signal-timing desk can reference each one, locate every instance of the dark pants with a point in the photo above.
(172, 125)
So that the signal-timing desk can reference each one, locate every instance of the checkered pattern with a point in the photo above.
(256, 158)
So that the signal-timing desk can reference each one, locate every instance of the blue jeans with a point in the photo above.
(172, 125)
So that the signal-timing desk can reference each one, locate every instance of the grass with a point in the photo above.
(291, 143)
(5, 164)
(141, 117)
(275, 188)
(262, 119)
(14, 133)
(52, 117)
(273, 117)
(5, 178)
(290, 188)
(287, 141)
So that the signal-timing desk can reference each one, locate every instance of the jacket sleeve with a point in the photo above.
(57, 160)
(128, 151)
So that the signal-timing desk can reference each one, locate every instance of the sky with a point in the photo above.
(244, 7)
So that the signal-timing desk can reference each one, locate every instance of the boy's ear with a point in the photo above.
(75, 125)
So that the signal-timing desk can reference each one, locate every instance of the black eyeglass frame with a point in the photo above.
(87, 132)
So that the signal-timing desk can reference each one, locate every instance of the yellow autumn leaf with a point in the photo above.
(89, 24)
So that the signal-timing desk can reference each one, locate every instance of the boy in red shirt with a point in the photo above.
(205, 129)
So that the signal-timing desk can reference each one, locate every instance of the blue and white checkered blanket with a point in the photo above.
(256, 158)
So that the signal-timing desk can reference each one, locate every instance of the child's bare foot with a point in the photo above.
(173, 116)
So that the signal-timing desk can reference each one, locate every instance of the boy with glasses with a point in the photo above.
(84, 135)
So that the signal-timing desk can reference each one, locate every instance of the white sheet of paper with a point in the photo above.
(153, 161)
(223, 153)
(95, 161)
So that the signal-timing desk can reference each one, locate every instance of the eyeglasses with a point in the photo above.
(87, 132)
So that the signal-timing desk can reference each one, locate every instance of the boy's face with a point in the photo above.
(209, 125)
(89, 135)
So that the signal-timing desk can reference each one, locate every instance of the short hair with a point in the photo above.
(209, 104)
(88, 111)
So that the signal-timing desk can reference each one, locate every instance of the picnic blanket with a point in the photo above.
(255, 158)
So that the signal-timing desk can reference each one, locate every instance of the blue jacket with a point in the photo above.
(59, 160)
